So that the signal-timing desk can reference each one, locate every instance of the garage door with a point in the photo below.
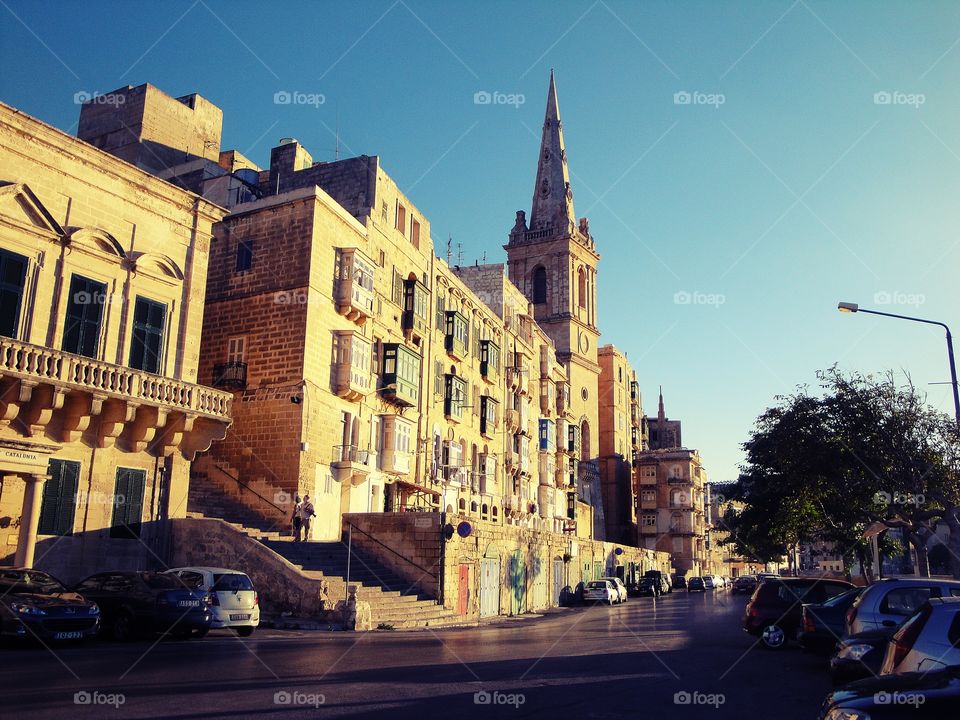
(489, 587)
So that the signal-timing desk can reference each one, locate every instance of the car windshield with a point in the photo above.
(231, 582)
(155, 581)
(597, 586)
(29, 581)
(842, 598)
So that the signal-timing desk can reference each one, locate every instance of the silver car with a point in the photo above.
(620, 587)
(888, 603)
(929, 640)
(235, 602)
(602, 590)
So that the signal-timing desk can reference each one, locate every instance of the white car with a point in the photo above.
(709, 582)
(234, 601)
(603, 590)
(929, 640)
(621, 588)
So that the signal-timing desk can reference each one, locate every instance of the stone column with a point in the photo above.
(29, 518)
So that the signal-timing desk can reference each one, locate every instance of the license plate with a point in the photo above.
(189, 603)
(239, 617)
(71, 635)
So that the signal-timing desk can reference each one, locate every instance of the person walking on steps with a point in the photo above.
(306, 514)
(295, 519)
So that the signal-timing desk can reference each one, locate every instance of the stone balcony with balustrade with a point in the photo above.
(46, 393)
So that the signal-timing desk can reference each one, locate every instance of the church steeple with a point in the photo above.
(661, 415)
(552, 197)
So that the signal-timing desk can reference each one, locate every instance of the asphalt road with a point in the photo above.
(597, 662)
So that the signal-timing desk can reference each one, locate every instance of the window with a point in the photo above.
(905, 601)
(539, 286)
(454, 393)
(441, 312)
(397, 294)
(147, 345)
(13, 273)
(128, 503)
(650, 521)
(415, 233)
(401, 223)
(582, 287)
(401, 374)
(59, 498)
(244, 255)
(489, 415)
(235, 349)
(81, 331)
(458, 334)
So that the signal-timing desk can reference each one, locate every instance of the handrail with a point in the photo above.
(240, 482)
(408, 560)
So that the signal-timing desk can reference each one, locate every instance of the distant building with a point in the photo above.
(663, 432)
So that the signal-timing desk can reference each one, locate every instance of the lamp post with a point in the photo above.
(847, 307)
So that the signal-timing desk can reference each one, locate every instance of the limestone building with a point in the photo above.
(622, 439)
(103, 280)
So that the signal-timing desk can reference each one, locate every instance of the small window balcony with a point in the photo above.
(489, 416)
(648, 503)
(416, 303)
(352, 378)
(512, 420)
(232, 375)
(457, 335)
(395, 456)
(455, 391)
(401, 375)
(355, 287)
(548, 469)
(548, 396)
(548, 435)
(490, 361)
(563, 398)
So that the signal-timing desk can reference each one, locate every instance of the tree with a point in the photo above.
(864, 451)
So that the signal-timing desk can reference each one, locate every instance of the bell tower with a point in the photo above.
(553, 260)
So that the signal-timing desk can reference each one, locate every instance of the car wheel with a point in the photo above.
(773, 637)
(123, 627)
(245, 631)
(200, 632)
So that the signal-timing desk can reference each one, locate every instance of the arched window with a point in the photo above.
(539, 286)
(675, 522)
(582, 287)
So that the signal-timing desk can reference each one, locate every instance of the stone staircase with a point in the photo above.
(393, 602)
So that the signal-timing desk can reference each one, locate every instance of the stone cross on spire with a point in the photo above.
(552, 197)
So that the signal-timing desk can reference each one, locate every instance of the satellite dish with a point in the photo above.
(464, 529)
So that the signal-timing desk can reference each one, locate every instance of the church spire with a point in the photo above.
(661, 415)
(552, 197)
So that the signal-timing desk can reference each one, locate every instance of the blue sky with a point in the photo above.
(784, 185)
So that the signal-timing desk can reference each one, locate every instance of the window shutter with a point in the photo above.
(397, 288)
(441, 313)
(59, 499)
(128, 503)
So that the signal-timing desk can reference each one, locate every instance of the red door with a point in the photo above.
(463, 597)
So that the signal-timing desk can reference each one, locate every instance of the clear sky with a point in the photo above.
(784, 184)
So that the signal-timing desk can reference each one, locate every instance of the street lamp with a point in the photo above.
(848, 307)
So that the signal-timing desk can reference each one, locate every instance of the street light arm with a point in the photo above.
(906, 317)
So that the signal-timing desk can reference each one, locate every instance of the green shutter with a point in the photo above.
(128, 503)
(59, 501)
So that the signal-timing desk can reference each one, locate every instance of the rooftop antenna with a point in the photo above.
(484, 257)
(336, 152)
(459, 254)
(449, 251)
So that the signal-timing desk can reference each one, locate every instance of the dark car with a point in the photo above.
(696, 584)
(650, 586)
(35, 605)
(744, 584)
(679, 582)
(136, 603)
(860, 655)
(773, 612)
(910, 696)
(822, 625)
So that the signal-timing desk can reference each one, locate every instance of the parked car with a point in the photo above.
(888, 603)
(679, 582)
(36, 605)
(134, 603)
(665, 585)
(708, 583)
(928, 640)
(620, 588)
(719, 581)
(744, 584)
(859, 656)
(649, 586)
(696, 584)
(773, 612)
(822, 624)
(912, 696)
(601, 591)
(234, 602)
